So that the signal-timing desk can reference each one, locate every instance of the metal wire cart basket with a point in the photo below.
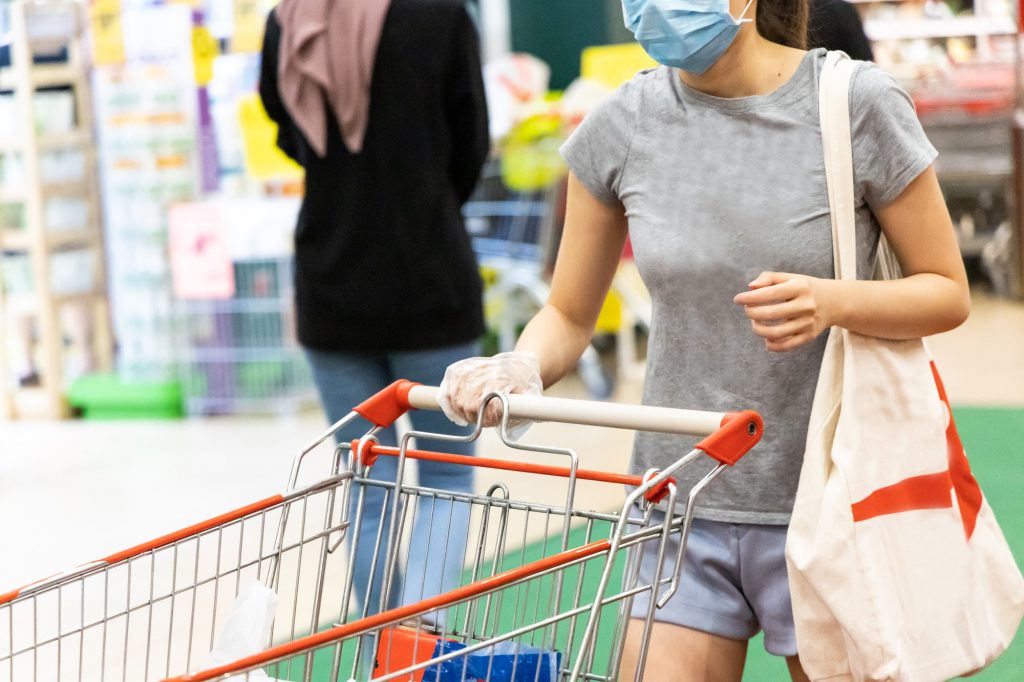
(553, 610)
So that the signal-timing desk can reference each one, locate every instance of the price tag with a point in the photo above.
(107, 33)
(200, 255)
(249, 21)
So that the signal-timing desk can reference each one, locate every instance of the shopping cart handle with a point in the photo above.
(728, 436)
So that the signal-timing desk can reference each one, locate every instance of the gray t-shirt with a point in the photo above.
(716, 191)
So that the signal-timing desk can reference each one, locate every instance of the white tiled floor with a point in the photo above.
(72, 492)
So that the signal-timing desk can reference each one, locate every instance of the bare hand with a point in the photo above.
(787, 310)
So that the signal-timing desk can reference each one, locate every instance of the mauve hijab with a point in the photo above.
(328, 49)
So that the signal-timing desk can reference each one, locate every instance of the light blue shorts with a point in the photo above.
(733, 583)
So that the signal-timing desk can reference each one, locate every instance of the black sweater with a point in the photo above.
(383, 261)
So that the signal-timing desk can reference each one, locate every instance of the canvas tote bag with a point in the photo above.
(897, 567)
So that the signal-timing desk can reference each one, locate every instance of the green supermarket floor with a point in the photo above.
(71, 492)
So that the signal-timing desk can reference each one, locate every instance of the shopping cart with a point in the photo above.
(555, 609)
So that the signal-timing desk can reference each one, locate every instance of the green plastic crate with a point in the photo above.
(105, 396)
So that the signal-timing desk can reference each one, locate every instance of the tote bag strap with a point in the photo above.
(834, 111)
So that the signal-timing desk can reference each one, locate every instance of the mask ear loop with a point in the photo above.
(741, 20)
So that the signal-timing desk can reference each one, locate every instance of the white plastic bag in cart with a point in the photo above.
(246, 631)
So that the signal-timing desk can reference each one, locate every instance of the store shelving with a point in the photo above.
(959, 70)
(12, 195)
(52, 141)
(952, 27)
(64, 268)
(19, 240)
(43, 75)
(898, 23)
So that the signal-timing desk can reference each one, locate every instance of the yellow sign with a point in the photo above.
(107, 34)
(204, 50)
(263, 160)
(249, 21)
(613, 65)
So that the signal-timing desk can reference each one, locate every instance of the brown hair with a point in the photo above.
(783, 22)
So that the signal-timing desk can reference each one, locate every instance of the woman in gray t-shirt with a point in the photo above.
(713, 165)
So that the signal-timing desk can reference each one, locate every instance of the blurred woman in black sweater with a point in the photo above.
(382, 104)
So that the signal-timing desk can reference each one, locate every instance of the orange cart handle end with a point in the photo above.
(739, 433)
(385, 407)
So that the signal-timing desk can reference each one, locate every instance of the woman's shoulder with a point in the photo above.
(655, 80)
(644, 89)
(872, 86)
(890, 147)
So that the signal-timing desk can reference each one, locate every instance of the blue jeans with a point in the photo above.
(440, 529)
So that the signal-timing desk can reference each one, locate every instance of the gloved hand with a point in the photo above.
(466, 383)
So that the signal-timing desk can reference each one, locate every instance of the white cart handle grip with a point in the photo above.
(728, 436)
(593, 413)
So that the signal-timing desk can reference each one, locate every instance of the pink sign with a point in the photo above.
(200, 256)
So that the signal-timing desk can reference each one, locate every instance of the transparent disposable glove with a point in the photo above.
(468, 381)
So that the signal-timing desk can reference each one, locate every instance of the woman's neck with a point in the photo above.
(751, 66)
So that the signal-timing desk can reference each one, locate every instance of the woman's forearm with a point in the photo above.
(788, 310)
(913, 307)
(557, 342)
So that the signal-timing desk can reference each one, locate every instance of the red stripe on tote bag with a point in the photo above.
(931, 491)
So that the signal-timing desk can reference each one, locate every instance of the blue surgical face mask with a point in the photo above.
(688, 34)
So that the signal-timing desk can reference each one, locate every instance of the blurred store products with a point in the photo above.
(911, 39)
(146, 112)
(517, 88)
(233, 267)
(959, 62)
(136, 108)
(530, 160)
(968, 116)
